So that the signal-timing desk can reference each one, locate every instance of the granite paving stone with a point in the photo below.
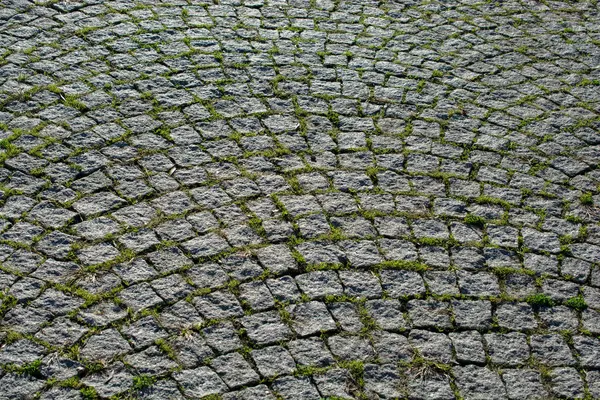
(286, 199)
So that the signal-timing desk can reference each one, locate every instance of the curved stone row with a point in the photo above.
(294, 199)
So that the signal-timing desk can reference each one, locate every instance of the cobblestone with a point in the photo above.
(330, 199)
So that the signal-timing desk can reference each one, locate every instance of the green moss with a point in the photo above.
(400, 264)
(10, 150)
(424, 367)
(166, 348)
(493, 200)
(577, 302)
(428, 241)
(472, 219)
(333, 117)
(589, 82)
(88, 393)
(333, 298)
(540, 300)
(325, 267)
(334, 398)
(143, 381)
(521, 49)
(586, 199)
(285, 315)
(307, 370)
(212, 397)
(505, 271)
(256, 224)
(32, 368)
(369, 324)
(73, 101)
(573, 218)
(356, 369)
(233, 285)
(72, 382)
(7, 302)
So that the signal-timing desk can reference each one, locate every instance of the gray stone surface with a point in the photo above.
(273, 361)
(260, 199)
(566, 382)
(199, 382)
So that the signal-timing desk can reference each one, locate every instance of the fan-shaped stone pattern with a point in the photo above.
(261, 199)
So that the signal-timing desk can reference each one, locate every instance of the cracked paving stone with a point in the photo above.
(22, 233)
(319, 284)
(190, 350)
(56, 244)
(139, 241)
(392, 347)
(468, 347)
(137, 215)
(517, 316)
(347, 316)
(51, 216)
(56, 271)
(398, 283)
(428, 314)
(222, 337)
(388, 314)
(58, 302)
(311, 351)
(551, 350)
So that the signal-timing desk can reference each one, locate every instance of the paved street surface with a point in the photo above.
(299, 199)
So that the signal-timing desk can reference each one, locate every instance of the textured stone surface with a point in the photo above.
(261, 199)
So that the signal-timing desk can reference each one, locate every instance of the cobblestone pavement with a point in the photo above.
(294, 199)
